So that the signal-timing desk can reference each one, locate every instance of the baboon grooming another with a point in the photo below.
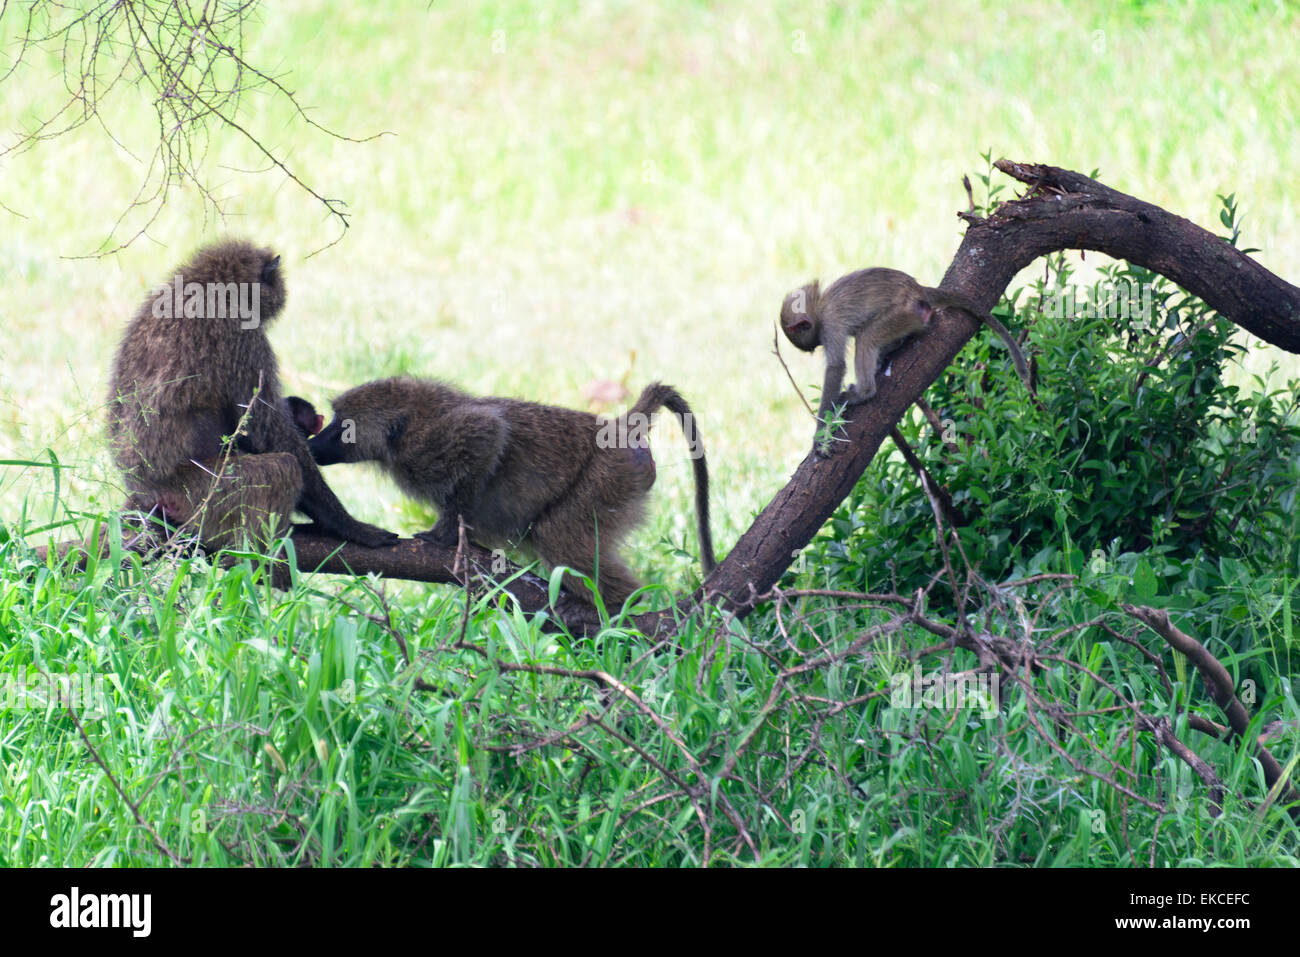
(557, 483)
(184, 379)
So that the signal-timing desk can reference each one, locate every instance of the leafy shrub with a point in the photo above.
(1143, 447)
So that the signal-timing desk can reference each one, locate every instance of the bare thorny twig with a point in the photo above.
(190, 56)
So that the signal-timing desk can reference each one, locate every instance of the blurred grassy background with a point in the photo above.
(586, 190)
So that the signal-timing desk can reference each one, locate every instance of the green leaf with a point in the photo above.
(1144, 581)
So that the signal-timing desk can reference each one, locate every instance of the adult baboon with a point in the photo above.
(195, 368)
(556, 483)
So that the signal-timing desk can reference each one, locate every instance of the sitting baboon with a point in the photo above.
(195, 418)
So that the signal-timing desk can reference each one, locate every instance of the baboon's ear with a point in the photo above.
(270, 268)
(397, 430)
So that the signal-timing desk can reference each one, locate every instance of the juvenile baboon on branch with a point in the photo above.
(879, 309)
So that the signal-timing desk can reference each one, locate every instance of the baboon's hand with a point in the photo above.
(371, 536)
(824, 438)
(856, 395)
(443, 534)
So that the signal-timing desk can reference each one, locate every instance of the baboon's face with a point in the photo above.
(358, 435)
(328, 448)
(797, 318)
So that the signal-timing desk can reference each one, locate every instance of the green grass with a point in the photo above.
(282, 729)
(626, 189)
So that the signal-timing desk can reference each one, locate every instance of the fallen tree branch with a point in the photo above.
(415, 559)
(1061, 210)
(410, 559)
(1219, 683)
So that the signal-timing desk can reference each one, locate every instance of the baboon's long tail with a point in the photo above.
(940, 298)
(656, 396)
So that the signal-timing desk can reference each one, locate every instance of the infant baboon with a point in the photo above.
(184, 379)
(303, 414)
(557, 483)
(879, 309)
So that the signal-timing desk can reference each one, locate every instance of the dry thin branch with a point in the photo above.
(189, 57)
(1165, 735)
(1219, 683)
(776, 351)
(132, 806)
(937, 494)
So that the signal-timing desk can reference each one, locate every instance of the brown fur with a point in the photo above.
(877, 308)
(247, 503)
(557, 483)
(182, 384)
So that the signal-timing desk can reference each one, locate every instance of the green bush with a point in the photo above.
(1142, 447)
